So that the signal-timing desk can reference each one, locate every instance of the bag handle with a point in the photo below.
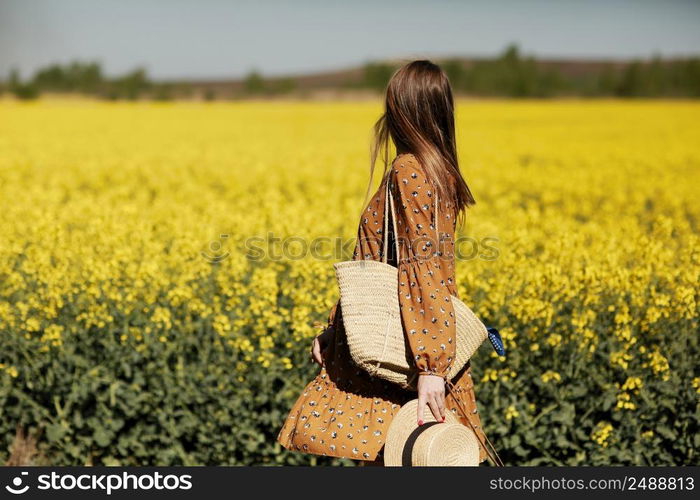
(389, 202)
(487, 445)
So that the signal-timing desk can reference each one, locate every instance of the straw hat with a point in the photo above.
(432, 444)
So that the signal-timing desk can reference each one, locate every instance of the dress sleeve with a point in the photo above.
(427, 312)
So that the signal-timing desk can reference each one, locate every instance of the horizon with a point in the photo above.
(181, 40)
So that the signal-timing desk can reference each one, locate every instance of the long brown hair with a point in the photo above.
(419, 119)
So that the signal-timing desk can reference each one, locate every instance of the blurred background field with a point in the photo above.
(132, 332)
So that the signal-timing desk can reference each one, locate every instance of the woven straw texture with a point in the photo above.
(432, 444)
(370, 307)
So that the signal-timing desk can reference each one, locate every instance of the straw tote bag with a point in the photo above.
(370, 309)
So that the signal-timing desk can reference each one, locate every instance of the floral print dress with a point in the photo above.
(344, 412)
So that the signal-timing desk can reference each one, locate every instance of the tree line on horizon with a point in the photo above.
(513, 75)
(509, 75)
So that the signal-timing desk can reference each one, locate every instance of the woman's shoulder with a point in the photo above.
(407, 168)
(405, 159)
(407, 164)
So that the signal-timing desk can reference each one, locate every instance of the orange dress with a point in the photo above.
(344, 412)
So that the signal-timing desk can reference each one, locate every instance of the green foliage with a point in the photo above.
(209, 95)
(281, 85)
(557, 420)
(106, 398)
(510, 74)
(87, 78)
(377, 75)
(74, 77)
(163, 92)
(513, 75)
(102, 400)
(131, 86)
(655, 78)
(456, 72)
(24, 91)
(255, 84)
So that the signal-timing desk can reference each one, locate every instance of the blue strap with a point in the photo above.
(496, 341)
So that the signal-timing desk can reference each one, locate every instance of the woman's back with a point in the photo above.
(409, 177)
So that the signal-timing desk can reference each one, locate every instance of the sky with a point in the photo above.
(211, 39)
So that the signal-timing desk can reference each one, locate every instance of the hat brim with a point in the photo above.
(409, 444)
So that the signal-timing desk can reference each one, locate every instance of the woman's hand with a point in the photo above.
(320, 343)
(431, 392)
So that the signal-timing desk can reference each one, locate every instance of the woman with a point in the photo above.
(344, 412)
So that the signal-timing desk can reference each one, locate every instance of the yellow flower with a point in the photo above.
(621, 359)
(632, 384)
(550, 375)
(490, 375)
(221, 324)
(52, 336)
(658, 364)
(161, 315)
(511, 413)
(266, 343)
(624, 402)
(10, 370)
(32, 325)
(554, 339)
(602, 433)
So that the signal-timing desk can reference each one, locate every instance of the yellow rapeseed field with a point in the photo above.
(149, 226)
